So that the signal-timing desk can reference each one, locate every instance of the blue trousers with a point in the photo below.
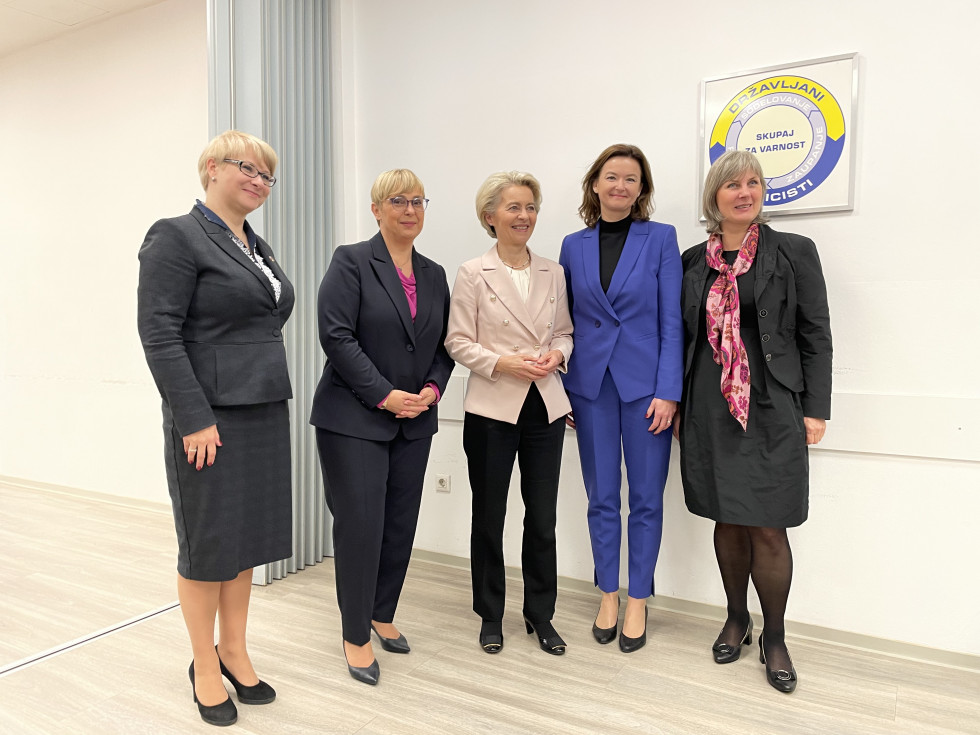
(609, 429)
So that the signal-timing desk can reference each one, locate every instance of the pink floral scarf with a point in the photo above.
(724, 323)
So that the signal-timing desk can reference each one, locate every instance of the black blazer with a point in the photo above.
(372, 345)
(209, 322)
(792, 312)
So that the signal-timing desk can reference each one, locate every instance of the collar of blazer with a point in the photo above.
(385, 269)
(635, 240)
(219, 236)
(764, 265)
(499, 281)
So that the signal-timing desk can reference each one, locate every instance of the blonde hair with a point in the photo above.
(396, 181)
(490, 191)
(235, 144)
(729, 166)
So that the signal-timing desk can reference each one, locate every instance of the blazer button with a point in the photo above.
(616, 322)
(515, 348)
(276, 333)
(275, 312)
(765, 338)
(549, 324)
(769, 358)
(763, 313)
(552, 299)
(492, 297)
(598, 323)
(537, 347)
(506, 322)
(410, 347)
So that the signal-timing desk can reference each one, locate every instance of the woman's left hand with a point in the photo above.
(663, 414)
(414, 406)
(550, 361)
(815, 429)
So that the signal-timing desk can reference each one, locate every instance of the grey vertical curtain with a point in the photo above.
(269, 76)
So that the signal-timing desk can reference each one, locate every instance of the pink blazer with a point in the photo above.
(488, 319)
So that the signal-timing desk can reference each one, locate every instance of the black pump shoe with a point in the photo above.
(784, 681)
(491, 637)
(725, 653)
(260, 693)
(547, 636)
(222, 715)
(366, 674)
(392, 645)
(605, 635)
(627, 644)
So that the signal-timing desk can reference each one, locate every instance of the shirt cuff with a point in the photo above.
(384, 400)
(435, 389)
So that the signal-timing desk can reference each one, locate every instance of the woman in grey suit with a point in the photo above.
(757, 380)
(212, 302)
(509, 324)
(382, 311)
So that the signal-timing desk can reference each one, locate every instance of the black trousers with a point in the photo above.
(491, 447)
(373, 490)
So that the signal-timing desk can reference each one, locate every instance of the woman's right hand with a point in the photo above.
(406, 405)
(523, 367)
(202, 446)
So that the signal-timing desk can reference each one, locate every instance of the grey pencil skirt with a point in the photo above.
(236, 514)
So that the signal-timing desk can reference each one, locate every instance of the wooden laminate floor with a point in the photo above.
(135, 680)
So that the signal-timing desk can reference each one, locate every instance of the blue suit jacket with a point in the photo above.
(373, 346)
(635, 328)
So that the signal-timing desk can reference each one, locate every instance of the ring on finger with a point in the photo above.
(192, 449)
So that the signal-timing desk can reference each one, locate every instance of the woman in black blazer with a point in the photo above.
(757, 382)
(212, 302)
(382, 309)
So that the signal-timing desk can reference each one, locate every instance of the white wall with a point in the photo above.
(101, 130)
(458, 90)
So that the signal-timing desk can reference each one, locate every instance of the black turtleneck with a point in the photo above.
(612, 238)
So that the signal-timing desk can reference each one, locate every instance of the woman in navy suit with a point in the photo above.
(212, 302)
(382, 312)
(756, 394)
(624, 380)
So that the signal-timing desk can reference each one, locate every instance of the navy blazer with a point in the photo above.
(372, 345)
(208, 320)
(791, 309)
(634, 329)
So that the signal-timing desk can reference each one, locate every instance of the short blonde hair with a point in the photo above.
(729, 166)
(396, 181)
(490, 191)
(236, 144)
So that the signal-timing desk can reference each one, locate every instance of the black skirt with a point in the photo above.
(756, 477)
(236, 514)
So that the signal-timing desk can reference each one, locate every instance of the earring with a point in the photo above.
(213, 178)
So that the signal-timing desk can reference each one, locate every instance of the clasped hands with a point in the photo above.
(407, 405)
(529, 367)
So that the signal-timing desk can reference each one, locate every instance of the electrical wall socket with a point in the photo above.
(444, 483)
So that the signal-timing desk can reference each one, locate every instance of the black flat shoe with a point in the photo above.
(366, 674)
(784, 681)
(627, 644)
(393, 645)
(260, 693)
(725, 653)
(221, 715)
(547, 636)
(491, 637)
(605, 635)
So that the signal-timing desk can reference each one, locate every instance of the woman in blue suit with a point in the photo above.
(624, 380)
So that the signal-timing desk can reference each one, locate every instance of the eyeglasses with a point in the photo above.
(401, 203)
(249, 170)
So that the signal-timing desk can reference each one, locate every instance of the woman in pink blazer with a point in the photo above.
(509, 324)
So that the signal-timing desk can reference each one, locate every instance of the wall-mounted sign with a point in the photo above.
(798, 119)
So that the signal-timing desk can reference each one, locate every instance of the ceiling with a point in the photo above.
(26, 23)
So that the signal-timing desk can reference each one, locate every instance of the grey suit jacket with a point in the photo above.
(372, 344)
(208, 320)
(791, 310)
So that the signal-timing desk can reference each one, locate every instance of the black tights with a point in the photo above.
(763, 554)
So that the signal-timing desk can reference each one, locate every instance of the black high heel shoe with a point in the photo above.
(260, 693)
(725, 653)
(392, 645)
(547, 636)
(222, 715)
(366, 674)
(605, 635)
(491, 636)
(781, 679)
(627, 644)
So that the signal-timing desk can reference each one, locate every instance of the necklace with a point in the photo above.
(520, 267)
(404, 263)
